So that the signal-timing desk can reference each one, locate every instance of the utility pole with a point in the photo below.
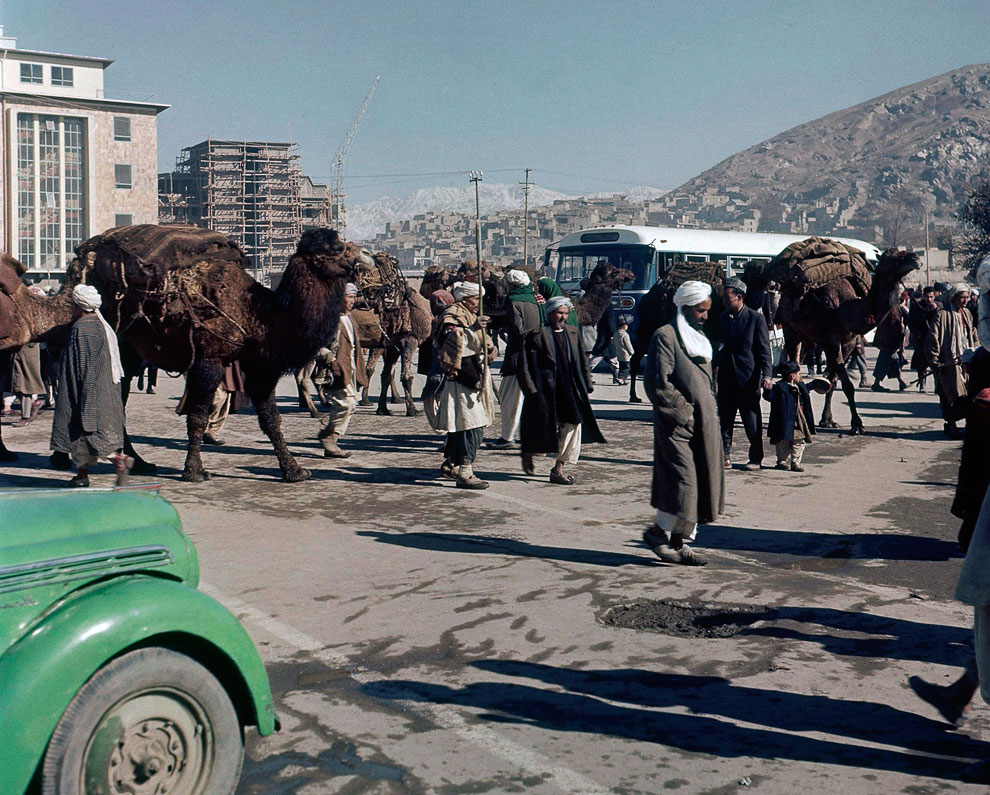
(475, 177)
(526, 219)
(928, 270)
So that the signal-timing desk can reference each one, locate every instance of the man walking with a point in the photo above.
(921, 317)
(953, 333)
(744, 365)
(89, 413)
(345, 359)
(525, 316)
(556, 379)
(688, 478)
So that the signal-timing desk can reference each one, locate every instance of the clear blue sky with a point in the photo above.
(592, 96)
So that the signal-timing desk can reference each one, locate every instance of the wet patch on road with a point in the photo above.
(685, 620)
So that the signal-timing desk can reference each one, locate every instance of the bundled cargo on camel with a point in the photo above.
(808, 264)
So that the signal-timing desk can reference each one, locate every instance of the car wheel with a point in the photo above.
(150, 721)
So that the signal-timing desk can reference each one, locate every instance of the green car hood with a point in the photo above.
(53, 542)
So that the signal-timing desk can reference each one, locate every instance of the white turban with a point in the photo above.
(462, 290)
(350, 289)
(555, 303)
(958, 287)
(692, 293)
(517, 278)
(86, 297)
(983, 283)
(983, 276)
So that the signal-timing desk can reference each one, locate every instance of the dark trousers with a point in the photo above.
(732, 399)
(462, 446)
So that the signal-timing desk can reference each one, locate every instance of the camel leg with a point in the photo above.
(394, 384)
(409, 348)
(837, 368)
(302, 376)
(373, 356)
(202, 381)
(388, 368)
(260, 387)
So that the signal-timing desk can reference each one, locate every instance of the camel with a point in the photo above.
(834, 312)
(396, 331)
(182, 298)
(657, 308)
(26, 317)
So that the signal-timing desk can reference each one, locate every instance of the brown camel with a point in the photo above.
(183, 299)
(834, 312)
(26, 317)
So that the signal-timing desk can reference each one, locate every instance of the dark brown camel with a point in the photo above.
(183, 299)
(833, 314)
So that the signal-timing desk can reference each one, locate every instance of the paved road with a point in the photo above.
(425, 639)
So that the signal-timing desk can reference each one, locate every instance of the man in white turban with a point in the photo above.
(525, 315)
(465, 404)
(89, 414)
(688, 476)
(953, 334)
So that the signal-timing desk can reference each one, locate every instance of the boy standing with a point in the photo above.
(791, 423)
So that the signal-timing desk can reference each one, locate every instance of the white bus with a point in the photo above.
(648, 251)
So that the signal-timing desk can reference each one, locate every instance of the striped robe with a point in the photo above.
(88, 404)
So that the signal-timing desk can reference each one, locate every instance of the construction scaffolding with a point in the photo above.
(246, 190)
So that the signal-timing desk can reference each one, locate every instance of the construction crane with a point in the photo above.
(337, 219)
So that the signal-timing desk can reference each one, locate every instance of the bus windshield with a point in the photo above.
(575, 264)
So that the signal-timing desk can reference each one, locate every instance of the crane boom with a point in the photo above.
(337, 209)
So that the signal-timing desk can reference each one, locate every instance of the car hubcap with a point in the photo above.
(152, 743)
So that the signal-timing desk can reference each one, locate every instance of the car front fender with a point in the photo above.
(42, 672)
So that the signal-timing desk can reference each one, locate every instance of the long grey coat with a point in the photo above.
(688, 474)
(88, 402)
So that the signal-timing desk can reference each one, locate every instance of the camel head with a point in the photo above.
(893, 266)
(607, 273)
(330, 257)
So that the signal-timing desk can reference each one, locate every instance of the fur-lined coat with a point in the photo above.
(461, 408)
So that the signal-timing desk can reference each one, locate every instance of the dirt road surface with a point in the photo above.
(421, 638)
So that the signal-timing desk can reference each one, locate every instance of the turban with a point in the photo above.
(557, 302)
(86, 297)
(350, 289)
(517, 278)
(983, 275)
(959, 287)
(736, 284)
(692, 294)
(464, 290)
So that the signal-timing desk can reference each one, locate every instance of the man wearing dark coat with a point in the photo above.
(688, 476)
(525, 315)
(743, 365)
(556, 382)
(89, 413)
(921, 317)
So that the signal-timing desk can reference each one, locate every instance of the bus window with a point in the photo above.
(695, 258)
(571, 268)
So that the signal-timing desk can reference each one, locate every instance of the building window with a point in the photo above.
(123, 219)
(62, 76)
(121, 128)
(122, 176)
(50, 219)
(31, 73)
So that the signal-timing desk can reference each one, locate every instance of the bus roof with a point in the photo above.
(703, 241)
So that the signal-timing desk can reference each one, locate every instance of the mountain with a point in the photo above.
(364, 221)
(872, 167)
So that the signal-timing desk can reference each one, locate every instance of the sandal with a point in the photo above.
(527, 464)
(78, 482)
(447, 470)
(473, 482)
(562, 480)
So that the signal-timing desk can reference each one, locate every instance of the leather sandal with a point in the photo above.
(474, 482)
(78, 482)
(561, 480)
(447, 470)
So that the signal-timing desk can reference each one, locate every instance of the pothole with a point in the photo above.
(685, 620)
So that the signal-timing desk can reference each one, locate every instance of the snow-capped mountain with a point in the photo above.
(364, 221)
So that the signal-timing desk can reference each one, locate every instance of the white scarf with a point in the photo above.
(695, 343)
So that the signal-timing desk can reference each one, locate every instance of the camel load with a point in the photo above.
(380, 285)
(804, 266)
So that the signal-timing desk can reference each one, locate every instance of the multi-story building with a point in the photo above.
(74, 161)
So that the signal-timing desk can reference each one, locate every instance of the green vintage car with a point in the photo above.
(116, 674)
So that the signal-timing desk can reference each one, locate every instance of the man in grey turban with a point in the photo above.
(688, 477)
(89, 414)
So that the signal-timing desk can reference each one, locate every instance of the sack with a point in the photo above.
(470, 372)
(432, 395)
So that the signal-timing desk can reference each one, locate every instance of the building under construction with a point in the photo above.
(247, 190)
